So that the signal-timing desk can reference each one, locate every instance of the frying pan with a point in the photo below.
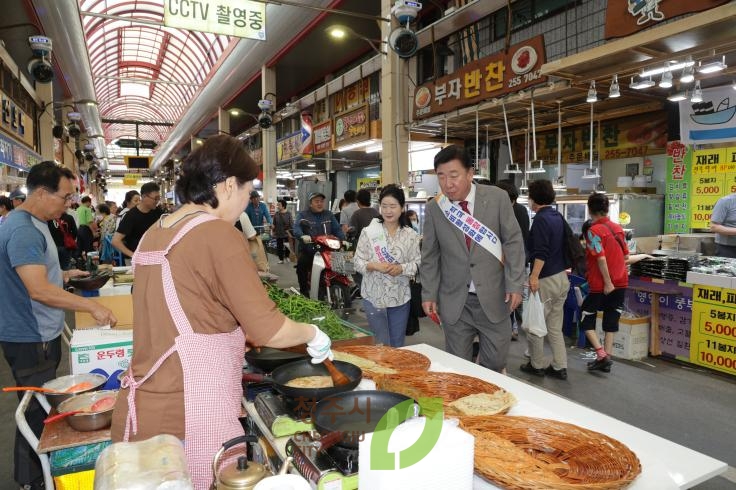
(267, 359)
(342, 419)
(299, 369)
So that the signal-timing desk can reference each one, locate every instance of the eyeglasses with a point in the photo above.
(65, 198)
(155, 198)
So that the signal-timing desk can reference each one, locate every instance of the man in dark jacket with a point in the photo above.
(321, 222)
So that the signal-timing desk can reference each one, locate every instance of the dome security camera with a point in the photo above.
(39, 66)
(403, 42)
(74, 130)
(406, 11)
(89, 156)
(265, 120)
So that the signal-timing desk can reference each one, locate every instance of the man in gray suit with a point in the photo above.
(472, 261)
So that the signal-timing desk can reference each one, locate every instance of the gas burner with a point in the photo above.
(345, 459)
(338, 462)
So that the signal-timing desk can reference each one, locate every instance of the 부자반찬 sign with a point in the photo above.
(239, 18)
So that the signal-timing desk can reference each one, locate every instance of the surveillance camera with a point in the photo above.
(39, 66)
(406, 11)
(265, 105)
(89, 157)
(403, 42)
(58, 131)
(265, 120)
(74, 130)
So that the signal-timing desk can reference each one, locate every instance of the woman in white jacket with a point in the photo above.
(388, 256)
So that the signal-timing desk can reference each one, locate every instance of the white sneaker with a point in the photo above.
(280, 262)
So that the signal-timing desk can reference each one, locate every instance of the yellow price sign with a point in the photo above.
(713, 328)
(131, 179)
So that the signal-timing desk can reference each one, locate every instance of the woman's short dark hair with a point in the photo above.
(129, 197)
(452, 152)
(598, 203)
(541, 192)
(47, 174)
(364, 197)
(220, 157)
(6, 203)
(103, 208)
(393, 190)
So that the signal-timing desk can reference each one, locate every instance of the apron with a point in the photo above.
(212, 365)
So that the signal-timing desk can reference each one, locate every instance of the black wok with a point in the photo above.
(344, 419)
(299, 369)
(267, 359)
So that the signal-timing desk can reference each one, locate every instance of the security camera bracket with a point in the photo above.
(406, 11)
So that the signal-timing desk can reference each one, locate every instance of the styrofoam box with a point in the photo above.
(632, 339)
(109, 350)
(711, 280)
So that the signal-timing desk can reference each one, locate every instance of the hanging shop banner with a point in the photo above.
(370, 183)
(620, 138)
(239, 18)
(492, 76)
(709, 121)
(625, 17)
(322, 137)
(351, 96)
(289, 147)
(15, 121)
(677, 216)
(352, 127)
(131, 179)
(307, 141)
(713, 176)
(16, 155)
(713, 339)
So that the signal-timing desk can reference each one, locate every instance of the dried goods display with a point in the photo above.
(375, 360)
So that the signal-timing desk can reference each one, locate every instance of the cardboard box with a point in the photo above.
(121, 306)
(632, 339)
(106, 349)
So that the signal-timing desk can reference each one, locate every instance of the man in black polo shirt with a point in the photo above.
(138, 220)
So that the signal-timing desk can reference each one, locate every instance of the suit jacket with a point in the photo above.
(448, 267)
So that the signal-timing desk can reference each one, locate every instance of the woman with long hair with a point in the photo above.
(388, 256)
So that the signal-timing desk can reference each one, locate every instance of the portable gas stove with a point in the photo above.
(336, 468)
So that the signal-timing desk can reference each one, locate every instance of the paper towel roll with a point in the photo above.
(449, 464)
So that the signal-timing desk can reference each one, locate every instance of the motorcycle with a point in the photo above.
(334, 287)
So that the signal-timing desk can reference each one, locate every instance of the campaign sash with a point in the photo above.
(379, 244)
(471, 227)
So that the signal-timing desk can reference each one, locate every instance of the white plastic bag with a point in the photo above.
(533, 318)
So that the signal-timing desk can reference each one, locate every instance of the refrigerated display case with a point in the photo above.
(418, 205)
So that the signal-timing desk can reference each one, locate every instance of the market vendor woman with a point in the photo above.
(197, 300)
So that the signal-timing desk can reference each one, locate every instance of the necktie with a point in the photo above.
(464, 206)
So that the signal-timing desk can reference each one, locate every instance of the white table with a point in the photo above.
(664, 463)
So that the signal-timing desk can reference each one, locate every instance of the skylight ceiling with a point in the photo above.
(142, 72)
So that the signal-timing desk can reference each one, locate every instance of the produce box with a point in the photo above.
(632, 339)
(120, 305)
(109, 350)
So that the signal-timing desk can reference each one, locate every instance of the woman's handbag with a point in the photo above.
(416, 299)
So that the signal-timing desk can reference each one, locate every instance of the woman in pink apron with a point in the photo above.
(197, 301)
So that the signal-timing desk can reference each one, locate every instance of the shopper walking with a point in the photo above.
(321, 222)
(388, 256)
(197, 300)
(548, 277)
(6, 206)
(472, 279)
(138, 219)
(283, 222)
(258, 213)
(351, 206)
(606, 255)
(107, 230)
(33, 301)
(723, 224)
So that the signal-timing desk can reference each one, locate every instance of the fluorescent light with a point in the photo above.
(615, 90)
(666, 81)
(677, 97)
(688, 75)
(667, 67)
(359, 144)
(713, 66)
(697, 93)
(642, 84)
(374, 148)
(592, 94)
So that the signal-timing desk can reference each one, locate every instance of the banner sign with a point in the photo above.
(675, 312)
(710, 121)
(492, 76)
(620, 138)
(351, 96)
(625, 17)
(15, 121)
(239, 18)
(351, 127)
(713, 339)
(307, 142)
(131, 179)
(370, 183)
(322, 137)
(713, 176)
(678, 186)
(15, 155)
(289, 147)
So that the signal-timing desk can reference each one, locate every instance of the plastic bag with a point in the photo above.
(533, 320)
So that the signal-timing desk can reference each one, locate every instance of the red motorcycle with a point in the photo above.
(333, 286)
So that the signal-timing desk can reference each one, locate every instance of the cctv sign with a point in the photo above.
(239, 18)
